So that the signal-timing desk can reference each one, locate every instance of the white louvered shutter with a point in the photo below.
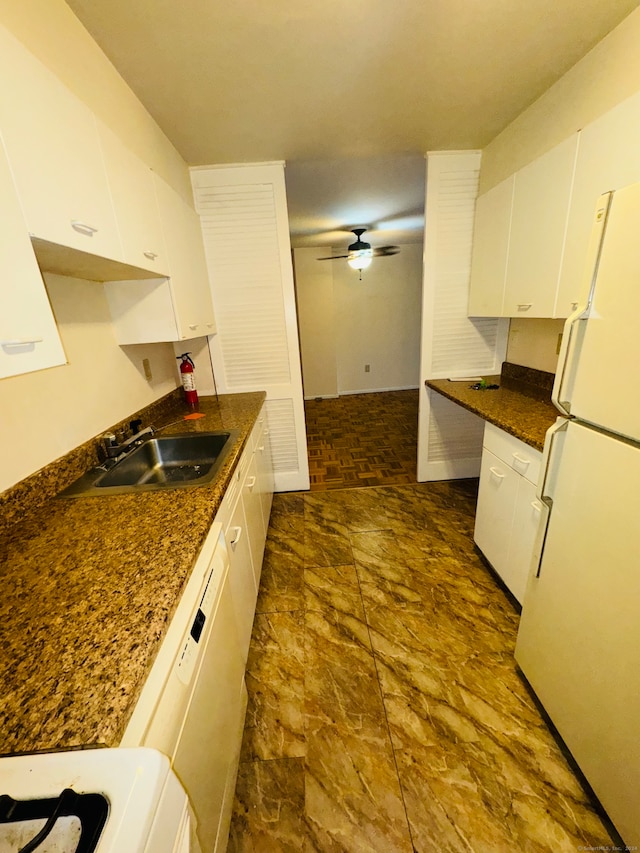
(245, 228)
(453, 344)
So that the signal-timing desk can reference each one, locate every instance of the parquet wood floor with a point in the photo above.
(362, 440)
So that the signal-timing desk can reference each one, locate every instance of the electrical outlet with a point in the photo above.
(146, 366)
(367, 368)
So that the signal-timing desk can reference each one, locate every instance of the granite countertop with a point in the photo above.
(514, 407)
(89, 587)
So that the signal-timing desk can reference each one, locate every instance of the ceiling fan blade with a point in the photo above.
(332, 257)
(383, 251)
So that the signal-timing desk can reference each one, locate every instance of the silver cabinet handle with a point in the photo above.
(193, 326)
(251, 482)
(521, 460)
(560, 426)
(151, 255)
(21, 342)
(524, 306)
(83, 228)
(497, 473)
(237, 532)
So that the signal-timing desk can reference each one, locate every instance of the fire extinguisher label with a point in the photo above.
(188, 381)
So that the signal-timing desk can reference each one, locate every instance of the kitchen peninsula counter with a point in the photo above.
(527, 416)
(89, 587)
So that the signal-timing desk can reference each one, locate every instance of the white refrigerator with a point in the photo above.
(579, 638)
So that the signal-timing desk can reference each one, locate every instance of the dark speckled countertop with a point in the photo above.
(89, 587)
(517, 407)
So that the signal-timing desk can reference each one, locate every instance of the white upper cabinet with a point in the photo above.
(132, 188)
(29, 338)
(173, 309)
(490, 248)
(53, 148)
(538, 222)
(608, 159)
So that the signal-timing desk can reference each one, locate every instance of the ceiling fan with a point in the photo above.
(360, 254)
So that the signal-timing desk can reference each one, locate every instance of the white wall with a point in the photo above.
(48, 413)
(607, 75)
(375, 321)
(316, 322)
(534, 343)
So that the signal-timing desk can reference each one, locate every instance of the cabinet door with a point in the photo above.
(253, 513)
(29, 337)
(189, 277)
(526, 521)
(608, 159)
(264, 466)
(244, 591)
(490, 248)
(134, 198)
(497, 494)
(540, 208)
(209, 744)
(53, 148)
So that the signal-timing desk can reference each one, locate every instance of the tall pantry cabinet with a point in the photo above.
(245, 226)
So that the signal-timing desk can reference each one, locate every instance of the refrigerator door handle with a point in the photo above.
(559, 426)
(558, 392)
(559, 396)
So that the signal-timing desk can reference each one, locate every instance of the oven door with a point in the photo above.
(93, 801)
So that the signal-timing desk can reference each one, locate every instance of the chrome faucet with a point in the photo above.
(115, 451)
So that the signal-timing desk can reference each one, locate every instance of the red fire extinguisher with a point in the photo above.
(188, 379)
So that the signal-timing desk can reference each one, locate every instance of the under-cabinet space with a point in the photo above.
(508, 512)
(177, 308)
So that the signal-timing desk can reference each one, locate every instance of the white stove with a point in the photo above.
(93, 801)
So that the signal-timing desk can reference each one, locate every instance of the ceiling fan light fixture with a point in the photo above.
(361, 259)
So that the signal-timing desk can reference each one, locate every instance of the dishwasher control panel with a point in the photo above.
(188, 657)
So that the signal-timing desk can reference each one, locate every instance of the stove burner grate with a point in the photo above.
(90, 809)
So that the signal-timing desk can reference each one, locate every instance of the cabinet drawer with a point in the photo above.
(513, 452)
(497, 495)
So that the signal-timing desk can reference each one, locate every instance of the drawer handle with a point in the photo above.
(20, 342)
(537, 506)
(522, 460)
(151, 255)
(497, 473)
(83, 228)
(193, 326)
(251, 482)
(261, 448)
(237, 531)
(524, 306)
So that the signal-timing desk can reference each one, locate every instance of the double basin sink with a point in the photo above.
(165, 462)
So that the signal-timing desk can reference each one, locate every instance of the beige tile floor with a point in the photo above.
(385, 710)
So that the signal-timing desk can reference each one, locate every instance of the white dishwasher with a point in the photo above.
(193, 704)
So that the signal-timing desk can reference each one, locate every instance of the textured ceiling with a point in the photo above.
(334, 80)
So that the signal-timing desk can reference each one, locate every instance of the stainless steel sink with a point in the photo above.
(165, 462)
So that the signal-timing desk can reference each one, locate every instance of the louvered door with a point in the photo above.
(244, 219)
(453, 344)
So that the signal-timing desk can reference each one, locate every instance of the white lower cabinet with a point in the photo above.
(244, 518)
(508, 512)
(244, 591)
